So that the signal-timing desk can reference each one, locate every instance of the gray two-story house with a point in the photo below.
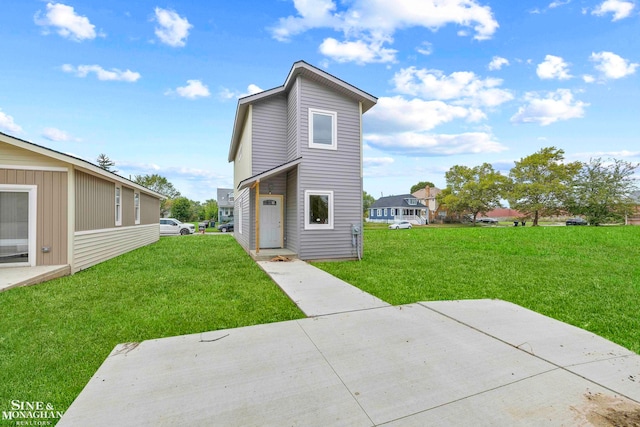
(225, 204)
(297, 154)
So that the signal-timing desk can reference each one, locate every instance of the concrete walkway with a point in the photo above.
(316, 292)
(364, 363)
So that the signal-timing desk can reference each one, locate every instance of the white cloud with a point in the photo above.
(107, 75)
(588, 78)
(425, 48)
(173, 30)
(399, 114)
(368, 25)
(620, 9)
(555, 106)
(463, 87)
(497, 63)
(553, 67)
(422, 144)
(613, 66)
(194, 89)
(558, 3)
(7, 123)
(226, 93)
(69, 24)
(377, 161)
(357, 51)
(57, 135)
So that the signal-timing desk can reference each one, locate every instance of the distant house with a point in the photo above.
(58, 210)
(634, 217)
(297, 155)
(405, 207)
(427, 196)
(225, 204)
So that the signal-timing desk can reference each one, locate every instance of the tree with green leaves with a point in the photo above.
(367, 201)
(603, 191)
(421, 185)
(104, 162)
(210, 209)
(161, 185)
(181, 209)
(541, 183)
(472, 190)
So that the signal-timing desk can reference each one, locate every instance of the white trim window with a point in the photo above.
(379, 213)
(323, 131)
(136, 207)
(118, 205)
(318, 210)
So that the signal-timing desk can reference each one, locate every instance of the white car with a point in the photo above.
(173, 226)
(399, 225)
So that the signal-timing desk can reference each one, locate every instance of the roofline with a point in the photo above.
(39, 149)
(296, 69)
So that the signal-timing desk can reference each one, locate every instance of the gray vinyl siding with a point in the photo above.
(242, 208)
(292, 212)
(269, 138)
(293, 124)
(331, 170)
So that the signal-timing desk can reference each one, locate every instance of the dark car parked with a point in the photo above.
(576, 221)
(226, 227)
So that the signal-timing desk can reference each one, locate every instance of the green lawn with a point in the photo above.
(54, 336)
(585, 276)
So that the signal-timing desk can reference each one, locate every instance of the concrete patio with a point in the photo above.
(13, 277)
(362, 362)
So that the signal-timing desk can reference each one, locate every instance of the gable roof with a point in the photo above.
(397, 202)
(299, 68)
(83, 164)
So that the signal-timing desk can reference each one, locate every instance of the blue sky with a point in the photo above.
(154, 85)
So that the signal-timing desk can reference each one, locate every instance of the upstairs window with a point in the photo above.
(322, 129)
(412, 202)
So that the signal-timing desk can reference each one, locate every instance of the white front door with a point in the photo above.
(270, 222)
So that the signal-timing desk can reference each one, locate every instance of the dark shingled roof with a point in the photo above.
(399, 201)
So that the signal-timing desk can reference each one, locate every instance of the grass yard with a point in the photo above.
(586, 276)
(54, 336)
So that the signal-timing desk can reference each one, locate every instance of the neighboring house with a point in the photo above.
(405, 207)
(427, 196)
(504, 214)
(58, 210)
(225, 204)
(297, 153)
(634, 217)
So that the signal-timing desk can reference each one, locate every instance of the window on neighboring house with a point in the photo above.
(379, 213)
(136, 207)
(322, 129)
(384, 212)
(412, 202)
(230, 197)
(318, 210)
(118, 203)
